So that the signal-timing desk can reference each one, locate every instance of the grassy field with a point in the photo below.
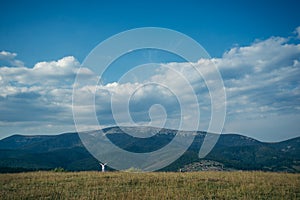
(121, 185)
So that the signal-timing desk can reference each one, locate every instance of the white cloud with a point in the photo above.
(39, 95)
(261, 80)
(265, 74)
(262, 83)
(9, 59)
(297, 31)
(43, 73)
(5, 55)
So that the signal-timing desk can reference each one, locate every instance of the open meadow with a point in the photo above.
(154, 185)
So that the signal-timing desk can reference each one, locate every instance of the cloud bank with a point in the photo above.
(261, 80)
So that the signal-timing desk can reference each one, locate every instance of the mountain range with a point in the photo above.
(231, 152)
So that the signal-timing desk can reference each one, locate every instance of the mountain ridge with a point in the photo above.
(66, 150)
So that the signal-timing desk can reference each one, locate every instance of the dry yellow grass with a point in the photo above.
(121, 185)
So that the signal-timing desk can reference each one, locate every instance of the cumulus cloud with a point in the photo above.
(38, 95)
(8, 58)
(262, 77)
(43, 73)
(261, 80)
(297, 31)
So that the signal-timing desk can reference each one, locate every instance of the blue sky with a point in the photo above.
(37, 38)
(41, 31)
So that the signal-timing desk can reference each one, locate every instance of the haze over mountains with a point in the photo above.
(232, 152)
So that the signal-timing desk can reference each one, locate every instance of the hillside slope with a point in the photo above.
(232, 151)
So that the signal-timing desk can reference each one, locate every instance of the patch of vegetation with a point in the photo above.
(132, 169)
(59, 169)
(155, 185)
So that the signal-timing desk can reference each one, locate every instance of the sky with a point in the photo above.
(254, 44)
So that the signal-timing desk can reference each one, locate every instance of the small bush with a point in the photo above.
(59, 169)
(132, 169)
